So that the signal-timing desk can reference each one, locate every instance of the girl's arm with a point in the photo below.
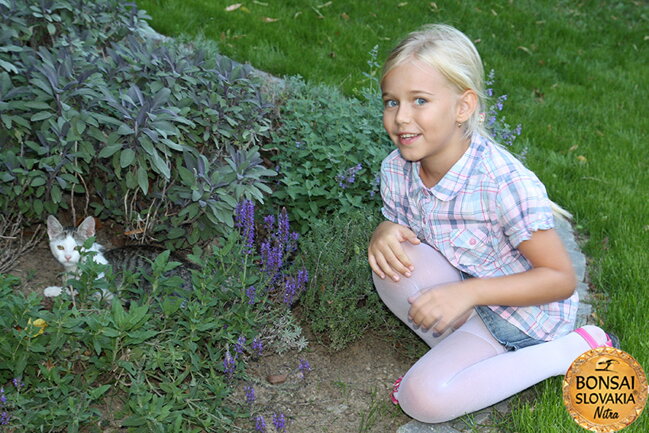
(551, 279)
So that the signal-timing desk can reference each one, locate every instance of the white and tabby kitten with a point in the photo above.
(67, 243)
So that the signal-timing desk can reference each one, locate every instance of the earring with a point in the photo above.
(459, 124)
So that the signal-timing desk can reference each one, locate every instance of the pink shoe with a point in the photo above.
(395, 388)
(611, 340)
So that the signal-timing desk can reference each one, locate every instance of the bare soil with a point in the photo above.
(347, 391)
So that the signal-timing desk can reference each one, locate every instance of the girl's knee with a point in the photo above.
(426, 402)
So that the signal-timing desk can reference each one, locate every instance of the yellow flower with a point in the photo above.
(39, 323)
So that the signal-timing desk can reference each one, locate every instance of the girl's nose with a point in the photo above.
(403, 116)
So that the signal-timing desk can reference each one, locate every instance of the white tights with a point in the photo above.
(467, 369)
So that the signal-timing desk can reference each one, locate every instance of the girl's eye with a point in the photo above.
(420, 101)
(390, 103)
(60, 247)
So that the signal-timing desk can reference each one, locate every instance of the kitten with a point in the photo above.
(67, 243)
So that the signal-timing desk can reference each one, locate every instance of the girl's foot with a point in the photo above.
(611, 340)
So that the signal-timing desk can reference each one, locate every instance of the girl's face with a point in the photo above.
(421, 112)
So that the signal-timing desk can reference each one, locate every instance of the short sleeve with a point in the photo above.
(523, 208)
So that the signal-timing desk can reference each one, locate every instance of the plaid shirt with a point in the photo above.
(476, 216)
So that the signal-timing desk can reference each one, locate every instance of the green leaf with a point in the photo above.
(134, 421)
(124, 129)
(126, 158)
(99, 391)
(56, 194)
(118, 314)
(109, 150)
(38, 181)
(187, 176)
(175, 233)
(160, 165)
(139, 336)
(41, 115)
(170, 305)
(143, 179)
(9, 67)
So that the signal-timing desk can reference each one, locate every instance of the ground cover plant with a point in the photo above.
(163, 363)
(574, 76)
(327, 150)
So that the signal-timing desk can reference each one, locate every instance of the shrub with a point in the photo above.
(161, 135)
(340, 303)
(327, 149)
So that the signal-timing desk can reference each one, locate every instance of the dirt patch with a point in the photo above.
(346, 391)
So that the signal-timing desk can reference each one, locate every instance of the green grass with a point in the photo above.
(576, 76)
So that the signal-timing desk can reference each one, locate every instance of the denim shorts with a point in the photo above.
(504, 332)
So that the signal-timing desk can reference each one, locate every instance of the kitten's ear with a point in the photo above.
(54, 227)
(87, 228)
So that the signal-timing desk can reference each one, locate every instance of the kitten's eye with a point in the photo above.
(60, 247)
(77, 248)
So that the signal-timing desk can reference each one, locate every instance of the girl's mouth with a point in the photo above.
(407, 138)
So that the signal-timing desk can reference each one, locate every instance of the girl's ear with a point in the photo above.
(466, 106)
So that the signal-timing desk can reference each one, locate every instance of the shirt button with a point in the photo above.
(473, 241)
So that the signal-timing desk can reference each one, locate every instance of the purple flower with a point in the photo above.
(302, 279)
(283, 227)
(250, 293)
(4, 416)
(239, 345)
(17, 383)
(250, 394)
(257, 346)
(289, 290)
(279, 421)
(272, 258)
(245, 221)
(229, 364)
(260, 424)
(304, 367)
(269, 222)
(348, 177)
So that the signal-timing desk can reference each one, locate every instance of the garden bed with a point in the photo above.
(345, 391)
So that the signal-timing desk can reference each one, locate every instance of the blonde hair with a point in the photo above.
(453, 54)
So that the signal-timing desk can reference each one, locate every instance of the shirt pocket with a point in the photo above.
(472, 246)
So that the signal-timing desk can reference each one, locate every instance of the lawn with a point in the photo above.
(576, 78)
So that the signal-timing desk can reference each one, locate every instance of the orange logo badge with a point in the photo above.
(605, 390)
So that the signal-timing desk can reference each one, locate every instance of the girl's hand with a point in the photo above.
(441, 307)
(385, 254)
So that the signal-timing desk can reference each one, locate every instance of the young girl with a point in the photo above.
(468, 256)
